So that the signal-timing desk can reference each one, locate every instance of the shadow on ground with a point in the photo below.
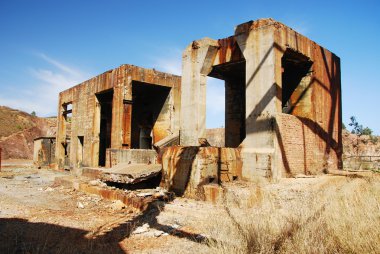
(21, 236)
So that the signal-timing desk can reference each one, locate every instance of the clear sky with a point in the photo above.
(48, 46)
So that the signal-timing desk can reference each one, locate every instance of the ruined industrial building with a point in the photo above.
(282, 115)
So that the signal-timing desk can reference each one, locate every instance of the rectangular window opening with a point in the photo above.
(105, 101)
(227, 104)
(149, 101)
(296, 72)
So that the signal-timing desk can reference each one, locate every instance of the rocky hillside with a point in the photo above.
(364, 145)
(18, 130)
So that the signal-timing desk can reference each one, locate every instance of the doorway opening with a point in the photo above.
(296, 75)
(233, 75)
(105, 102)
(148, 102)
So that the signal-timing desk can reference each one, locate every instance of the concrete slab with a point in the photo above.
(130, 173)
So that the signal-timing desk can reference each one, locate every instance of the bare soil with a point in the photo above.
(38, 217)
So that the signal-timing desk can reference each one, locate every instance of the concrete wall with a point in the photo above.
(215, 137)
(131, 156)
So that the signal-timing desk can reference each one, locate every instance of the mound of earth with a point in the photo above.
(18, 130)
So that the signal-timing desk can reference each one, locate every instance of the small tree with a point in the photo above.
(356, 127)
(33, 113)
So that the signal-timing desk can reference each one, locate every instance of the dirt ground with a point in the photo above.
(36, 216)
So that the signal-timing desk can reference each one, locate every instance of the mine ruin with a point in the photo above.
(282, 116)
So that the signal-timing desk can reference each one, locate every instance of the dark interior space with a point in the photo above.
(105, 101)
(66, 149)
(295, 67)
(150, 183)
(234, 76)
(148, 101)
(80, 150)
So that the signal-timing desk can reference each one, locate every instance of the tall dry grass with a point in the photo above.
(341, 216)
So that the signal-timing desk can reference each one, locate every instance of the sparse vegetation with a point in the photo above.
(341, 217)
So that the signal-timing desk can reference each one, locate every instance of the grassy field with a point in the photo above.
(342, 216)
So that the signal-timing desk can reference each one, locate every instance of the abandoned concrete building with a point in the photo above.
(282, 113)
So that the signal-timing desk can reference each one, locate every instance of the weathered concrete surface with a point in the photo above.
(283, 112)
(110, 98)
(129, 198)
(130, 173)
(130, 156)
(44, 151)
(187, 169)
(171, 140)
(215, 137)
(263, 64)
(196, 64)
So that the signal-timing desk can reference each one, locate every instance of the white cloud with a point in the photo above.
(60, 66)
(170, 63)
(41, 95)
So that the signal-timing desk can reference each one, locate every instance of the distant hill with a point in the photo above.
(18, 130)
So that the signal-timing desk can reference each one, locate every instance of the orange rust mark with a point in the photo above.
(229, 50)
(127, 120)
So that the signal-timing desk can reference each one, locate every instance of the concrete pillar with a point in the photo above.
(95, 133)
(60, 137)
(197, 62)
(127, 114)
(258, 47)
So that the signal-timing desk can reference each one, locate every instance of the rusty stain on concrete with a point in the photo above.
(282, 113)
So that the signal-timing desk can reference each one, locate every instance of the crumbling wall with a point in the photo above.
(186, 170)
(44, 152)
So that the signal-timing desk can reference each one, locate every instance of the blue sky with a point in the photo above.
(48, 46)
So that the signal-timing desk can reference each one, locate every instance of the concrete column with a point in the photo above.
(118, 108)
(95, 133)
(197, 62)
(258, 47)
(60, 137)
(127, 114)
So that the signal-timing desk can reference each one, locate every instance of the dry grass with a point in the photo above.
(342, 216)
